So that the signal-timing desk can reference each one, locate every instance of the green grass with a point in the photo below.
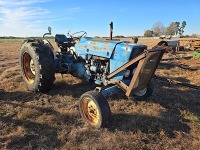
(193, 118)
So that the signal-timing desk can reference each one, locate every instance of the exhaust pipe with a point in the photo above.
(111, 30)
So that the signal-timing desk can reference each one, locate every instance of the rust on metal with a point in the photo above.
(147, 64)
(106, 42)
(122, 85)
(90, 110)
(93, 42)
(81, 47)
(134, 78)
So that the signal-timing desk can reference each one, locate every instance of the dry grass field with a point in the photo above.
(169, 119)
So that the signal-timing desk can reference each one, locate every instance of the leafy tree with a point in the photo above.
(158, 28)
(148, 33)
(172, 29)
(181, 29)
(177, 27)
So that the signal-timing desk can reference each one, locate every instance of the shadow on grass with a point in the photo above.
(41, 134)
(175, 99)
(74, 90)
(171, 97)
(148, 124)
(37, 135)
(18, 95)
(172, 65)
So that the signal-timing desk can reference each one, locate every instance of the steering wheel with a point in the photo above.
(79, 37)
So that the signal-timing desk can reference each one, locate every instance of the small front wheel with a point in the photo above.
(94, 108)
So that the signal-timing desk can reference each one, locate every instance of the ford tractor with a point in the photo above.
(111, 65)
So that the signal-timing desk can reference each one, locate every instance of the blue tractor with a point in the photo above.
(111, 65)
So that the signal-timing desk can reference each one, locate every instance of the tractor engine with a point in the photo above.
(98, 68)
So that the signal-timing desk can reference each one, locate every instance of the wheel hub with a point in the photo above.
(141, 92)
(32, 66)
(90, 111)
(28, 68)
(93, 111)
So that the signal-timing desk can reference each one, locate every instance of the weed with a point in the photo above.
(193, 118)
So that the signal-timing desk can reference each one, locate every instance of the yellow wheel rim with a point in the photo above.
(90, 111)
(28, 68)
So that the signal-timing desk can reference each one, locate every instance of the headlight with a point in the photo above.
(127, 73)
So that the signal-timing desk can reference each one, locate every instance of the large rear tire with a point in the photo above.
(36, 62)
(95, 109)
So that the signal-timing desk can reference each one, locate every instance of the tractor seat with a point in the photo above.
(63, 41)
(60, 38)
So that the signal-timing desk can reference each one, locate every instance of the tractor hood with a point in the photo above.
(118, 52)
(91, 46)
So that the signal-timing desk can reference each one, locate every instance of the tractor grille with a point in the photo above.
(135, 52)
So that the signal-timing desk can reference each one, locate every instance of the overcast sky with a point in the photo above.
(130, 17)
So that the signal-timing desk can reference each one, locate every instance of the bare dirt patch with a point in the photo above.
(170, 119)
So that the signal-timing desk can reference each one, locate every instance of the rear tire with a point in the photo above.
(36, 62)
(94, 109)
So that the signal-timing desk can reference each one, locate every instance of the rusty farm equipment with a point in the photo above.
(193, 45)
(111, 65)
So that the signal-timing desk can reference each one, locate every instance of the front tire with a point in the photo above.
(36, 62)
(94, 109)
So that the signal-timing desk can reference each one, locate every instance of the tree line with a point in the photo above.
(158, 29)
